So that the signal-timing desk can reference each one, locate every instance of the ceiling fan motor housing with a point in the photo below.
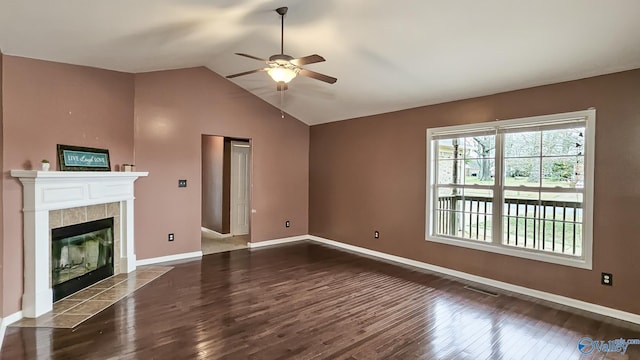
(282, 57)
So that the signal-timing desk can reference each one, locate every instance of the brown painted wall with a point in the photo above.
(46, 104)
(172, 110)
(369, 174)
(212, 181)
(1, 192)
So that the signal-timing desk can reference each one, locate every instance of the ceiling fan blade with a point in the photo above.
(251, 57)
(317, 76)
(245, 73)
(311, 59)
(281, 86)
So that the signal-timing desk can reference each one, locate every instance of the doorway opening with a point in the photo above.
(226, 193)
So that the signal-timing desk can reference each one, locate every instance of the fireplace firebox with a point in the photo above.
(81, 255)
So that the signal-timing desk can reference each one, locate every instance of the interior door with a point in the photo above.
(240, 184)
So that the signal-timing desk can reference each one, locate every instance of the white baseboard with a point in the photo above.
(558, 299)
(4, 322)
(215, 233)
(175, 257)
(259, 244)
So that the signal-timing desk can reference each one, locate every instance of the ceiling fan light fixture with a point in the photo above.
(282, 74)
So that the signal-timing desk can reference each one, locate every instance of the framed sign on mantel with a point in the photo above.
(78, 158)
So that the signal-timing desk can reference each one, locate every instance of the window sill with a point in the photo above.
(582, 263)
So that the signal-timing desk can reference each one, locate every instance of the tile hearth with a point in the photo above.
(76, 308)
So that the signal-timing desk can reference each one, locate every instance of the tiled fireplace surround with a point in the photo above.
(82, 214)
(59, 198)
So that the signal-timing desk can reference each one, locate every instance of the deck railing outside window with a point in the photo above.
(546, 225)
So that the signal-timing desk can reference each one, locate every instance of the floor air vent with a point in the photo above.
(481, 291)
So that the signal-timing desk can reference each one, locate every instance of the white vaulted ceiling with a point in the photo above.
(387, 55)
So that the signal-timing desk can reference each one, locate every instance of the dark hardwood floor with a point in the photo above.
(307, 301)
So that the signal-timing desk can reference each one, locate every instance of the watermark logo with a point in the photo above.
(587, 345)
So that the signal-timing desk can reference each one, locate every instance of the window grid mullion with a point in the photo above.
(540, 183)
(435, 147)
(498, 196)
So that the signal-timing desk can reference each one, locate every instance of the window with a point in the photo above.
(519, 187)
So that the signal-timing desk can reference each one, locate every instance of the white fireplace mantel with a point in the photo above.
(44, 191)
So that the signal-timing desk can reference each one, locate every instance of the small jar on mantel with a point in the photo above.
(45, 165)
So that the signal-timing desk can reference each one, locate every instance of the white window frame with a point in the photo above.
(586, 259)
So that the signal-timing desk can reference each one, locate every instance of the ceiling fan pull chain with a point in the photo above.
(282, 104)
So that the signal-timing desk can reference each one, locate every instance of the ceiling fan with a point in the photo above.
(283, 68)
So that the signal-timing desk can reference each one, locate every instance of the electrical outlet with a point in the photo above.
(287, 223)
(171, 237)
(607, 279)
(182, 183)
(376, 234)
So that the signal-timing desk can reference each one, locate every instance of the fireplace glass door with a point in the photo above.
(81, 255)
